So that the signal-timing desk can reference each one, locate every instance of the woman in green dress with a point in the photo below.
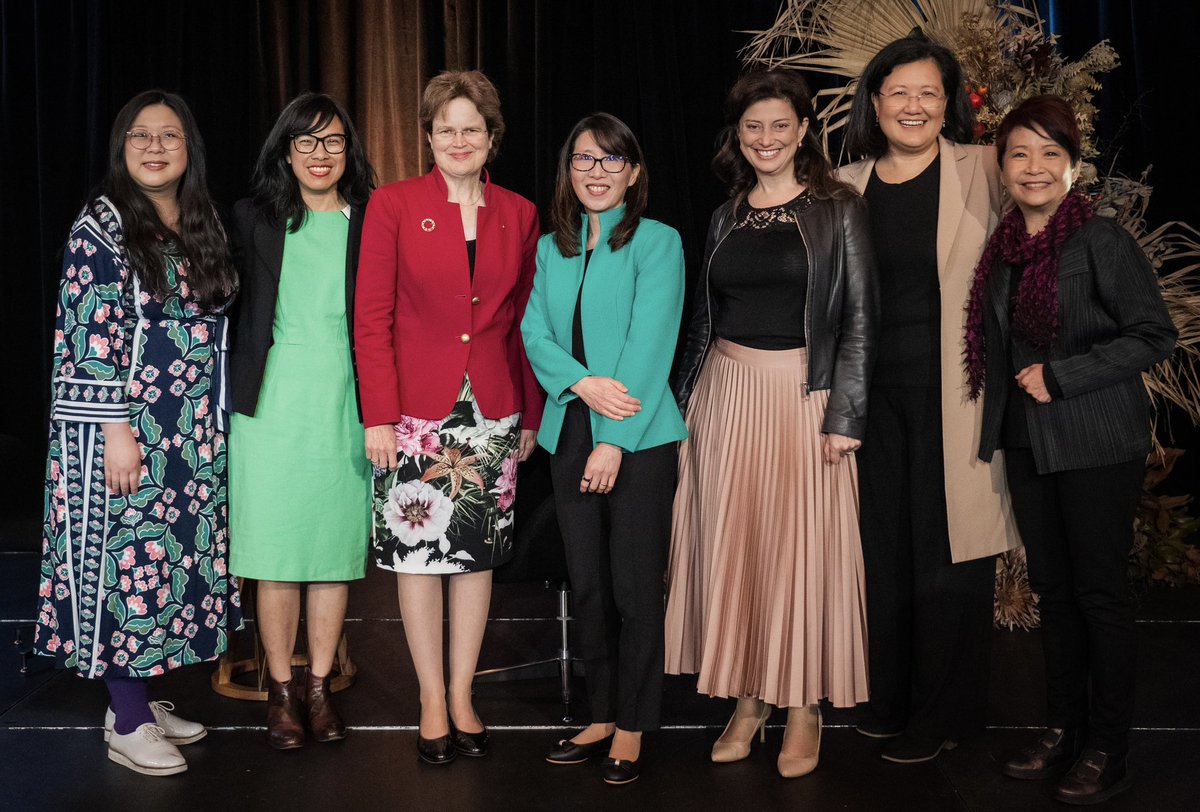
(300, 484)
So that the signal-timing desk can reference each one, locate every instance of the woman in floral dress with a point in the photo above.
(134, 578)
(449, 401)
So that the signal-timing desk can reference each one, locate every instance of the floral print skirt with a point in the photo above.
(447, 508)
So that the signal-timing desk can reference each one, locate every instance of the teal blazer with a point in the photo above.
(630, 312)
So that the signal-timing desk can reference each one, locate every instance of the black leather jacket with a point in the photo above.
(841, 309)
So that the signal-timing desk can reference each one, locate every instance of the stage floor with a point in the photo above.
(54, 757)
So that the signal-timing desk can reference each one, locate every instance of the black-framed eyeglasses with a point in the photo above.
(612, 164)
(143, 139)
(333, 143)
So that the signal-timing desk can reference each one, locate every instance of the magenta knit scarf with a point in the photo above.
(1035, 315)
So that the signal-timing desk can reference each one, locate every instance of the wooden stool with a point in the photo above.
(224, 679)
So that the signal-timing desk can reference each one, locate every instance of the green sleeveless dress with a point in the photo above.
(299, 480)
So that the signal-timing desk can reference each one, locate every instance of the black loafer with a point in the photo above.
(474, 745)
(617, 771)
(568, 752)
(1094, 778)
(436, 751)
(1053, 752)
(910, 748)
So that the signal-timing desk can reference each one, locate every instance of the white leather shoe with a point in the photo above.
(176, 730)
(147, 751)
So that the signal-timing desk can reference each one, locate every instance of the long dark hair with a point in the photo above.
(276, 189)
(863, 135)
(614, 137)
(200, 237)
(811, 165)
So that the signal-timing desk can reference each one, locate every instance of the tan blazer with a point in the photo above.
(978, 511)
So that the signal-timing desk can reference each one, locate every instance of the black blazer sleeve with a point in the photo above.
(1128, 313)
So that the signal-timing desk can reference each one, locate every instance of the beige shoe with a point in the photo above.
(801, 742)
(147, 751)
(727, 748)
(176, 730)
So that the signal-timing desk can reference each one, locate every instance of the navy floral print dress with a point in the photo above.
(133, 586)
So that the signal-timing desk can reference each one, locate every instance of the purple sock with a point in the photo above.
(130, 703)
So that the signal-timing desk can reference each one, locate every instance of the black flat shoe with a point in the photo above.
(910, 748)
(617, 771)
(474, 745)
(1094, 778)
(1053, 752)
(436, 751)
(568, 752)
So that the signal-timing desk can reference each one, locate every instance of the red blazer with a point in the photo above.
(420, 321)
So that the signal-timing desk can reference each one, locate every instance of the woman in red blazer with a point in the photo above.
(449, 401)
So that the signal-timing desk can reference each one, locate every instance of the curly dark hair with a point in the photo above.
(200, 237)
(276, 189)
(863, 135)
(812, 166)
(614, 137)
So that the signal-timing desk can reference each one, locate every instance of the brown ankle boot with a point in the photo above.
(285, 720)
(323, 719)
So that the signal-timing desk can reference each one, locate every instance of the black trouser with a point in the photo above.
(929, 621)
(616, 547)
(1078, 529)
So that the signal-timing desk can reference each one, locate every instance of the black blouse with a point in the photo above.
(759, 278)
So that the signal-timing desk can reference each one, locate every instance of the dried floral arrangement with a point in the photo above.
(1007, 56)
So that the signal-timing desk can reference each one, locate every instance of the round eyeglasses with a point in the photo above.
(612, 164)
(143, 139)
(333, 143)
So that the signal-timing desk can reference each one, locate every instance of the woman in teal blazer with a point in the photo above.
(600, 333)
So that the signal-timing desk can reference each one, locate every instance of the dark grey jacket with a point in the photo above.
(841, 309)
(1113, 324)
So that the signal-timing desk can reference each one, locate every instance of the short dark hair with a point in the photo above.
(1050, 116)
(812, 166)
(275, 186)
(471, 85)
(863, 135)
(200, 236)
(614, 137)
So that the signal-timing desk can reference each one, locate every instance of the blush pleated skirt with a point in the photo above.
(766, 593)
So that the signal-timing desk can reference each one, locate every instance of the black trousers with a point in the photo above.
(929, 621)
(1078, 529)
(616, 547)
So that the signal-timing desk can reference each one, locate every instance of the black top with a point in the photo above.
(471, 258)
(759, 278)
(904, 219)
(577, 323)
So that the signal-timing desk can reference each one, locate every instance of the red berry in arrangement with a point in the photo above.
(976, 101)
(979, 130)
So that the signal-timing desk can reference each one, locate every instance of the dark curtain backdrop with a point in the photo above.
(662, 65)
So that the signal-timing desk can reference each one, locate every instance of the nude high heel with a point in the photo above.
(726, 748)
(801, 742)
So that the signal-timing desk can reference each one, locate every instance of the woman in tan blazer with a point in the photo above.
(933, 515)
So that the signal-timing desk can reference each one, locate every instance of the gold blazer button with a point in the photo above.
(475, 300)
(465, 338)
